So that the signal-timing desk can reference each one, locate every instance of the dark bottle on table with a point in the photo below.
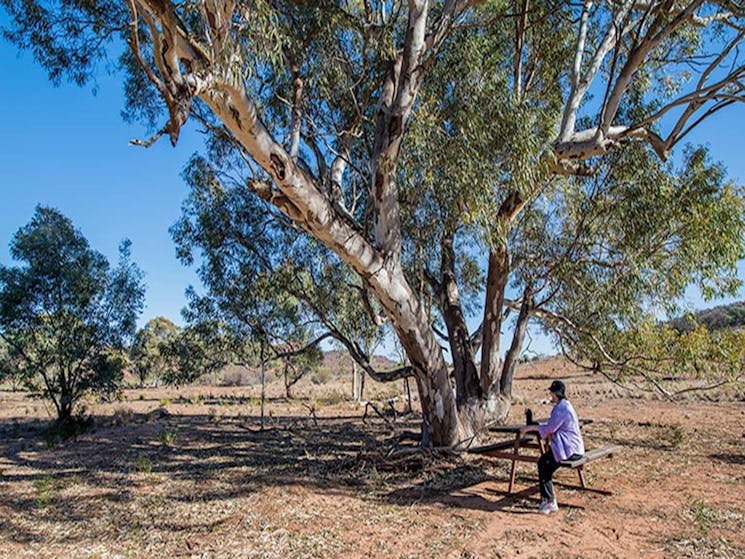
(529, 417)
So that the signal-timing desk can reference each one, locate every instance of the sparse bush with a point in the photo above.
(332, 399)
(254, 401)
(45, 487)
(613, 427)
(143, 464)
(704, 517)
(237, 377)
(321, 376)
(168, 438)
(674, 435)
(70, 428)
(123, 416)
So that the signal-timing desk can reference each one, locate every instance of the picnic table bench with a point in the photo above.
(510, 450)
(591, 456)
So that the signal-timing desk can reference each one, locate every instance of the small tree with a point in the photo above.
(204, 347)
(297, 361)
(147, 351)
(66, 312)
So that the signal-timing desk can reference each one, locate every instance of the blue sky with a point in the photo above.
(68, 148)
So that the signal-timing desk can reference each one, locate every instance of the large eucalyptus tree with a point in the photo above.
(532, 127)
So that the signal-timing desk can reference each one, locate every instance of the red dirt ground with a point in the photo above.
(205, 481)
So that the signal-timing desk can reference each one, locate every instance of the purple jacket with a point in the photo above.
(563, 426)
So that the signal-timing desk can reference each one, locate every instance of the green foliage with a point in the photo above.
(269, 291)
(202, 348)
(671, 436)
(617, 248)
(143, 464)
(658, 352)
(321, 376)
(296, 366)
(332, 399)
(11, 365)
(644, 228)
(704, 517)
(168, 438)
(61, 43)
(46, 488)
(65, 312)
(149, 348)
(66, 429)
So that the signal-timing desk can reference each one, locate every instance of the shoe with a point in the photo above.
(548, 507)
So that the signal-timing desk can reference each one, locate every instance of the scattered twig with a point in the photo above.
(376, 410)
(312, 413)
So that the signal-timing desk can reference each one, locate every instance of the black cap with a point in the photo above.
(558, 388)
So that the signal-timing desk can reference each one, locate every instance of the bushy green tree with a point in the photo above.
(662, 358)
(148, 352)
(206, 345)
(66, 312)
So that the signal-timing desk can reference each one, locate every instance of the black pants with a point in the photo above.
(547, 465)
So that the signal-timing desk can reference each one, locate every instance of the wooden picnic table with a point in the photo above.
(510, 449)
(530, 440)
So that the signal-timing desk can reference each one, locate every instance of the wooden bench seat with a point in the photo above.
(591, 455)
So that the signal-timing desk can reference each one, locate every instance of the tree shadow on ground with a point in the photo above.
(730, 458)
(208, 458)
(488, 495)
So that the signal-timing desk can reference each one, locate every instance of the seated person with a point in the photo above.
(566, 443)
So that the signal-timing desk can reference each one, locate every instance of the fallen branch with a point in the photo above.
(376, 410)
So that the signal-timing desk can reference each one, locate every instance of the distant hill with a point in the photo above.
(717, 318)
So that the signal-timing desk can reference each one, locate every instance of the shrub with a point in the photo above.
(45, 487)
(123, 416)
(143, 464)
(332, 399)
(168, 438)
(674, 435)
(65, 429)
(704, 517)
(321, 376)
